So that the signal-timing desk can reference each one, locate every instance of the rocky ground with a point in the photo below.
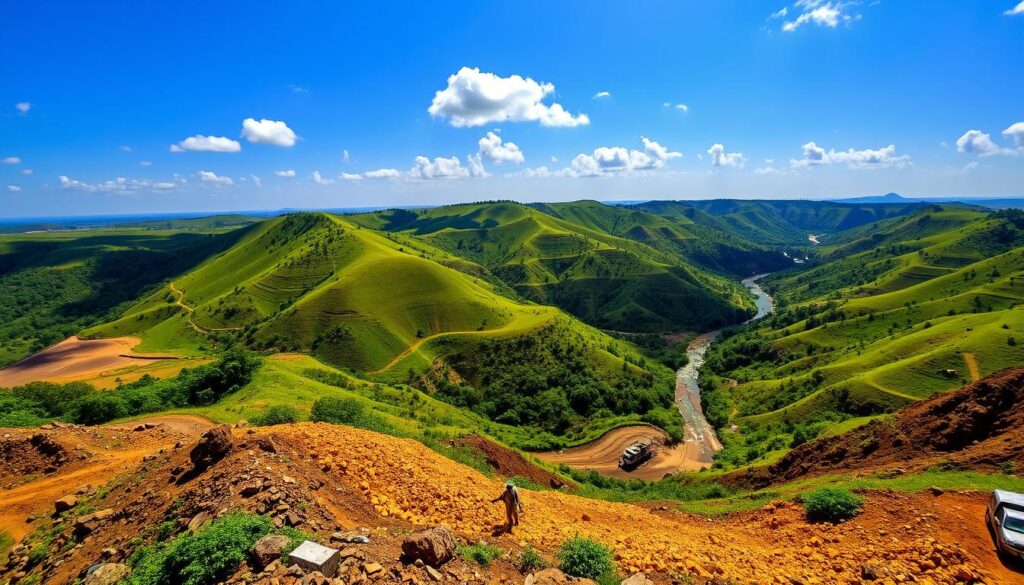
(335, 483)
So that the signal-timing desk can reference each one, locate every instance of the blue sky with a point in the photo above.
(142, 106)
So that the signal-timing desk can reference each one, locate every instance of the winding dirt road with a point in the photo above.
(191, 321)
(602, 455)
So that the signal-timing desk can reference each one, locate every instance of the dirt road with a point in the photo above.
(180, 301)
(603, 454)
(76, 359)
(972, 366)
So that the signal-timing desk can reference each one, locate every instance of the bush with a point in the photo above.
(277, 415)
(337, 410)
(206, 557)
(482, 553)
(530, 560)
(98, 408)
(831, 504)
(583, 557)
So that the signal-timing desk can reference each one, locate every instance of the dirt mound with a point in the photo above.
(979, 426)
(27, 456)
(325, 478)
(508, 463)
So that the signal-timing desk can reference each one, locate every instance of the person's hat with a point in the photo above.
(509, 483)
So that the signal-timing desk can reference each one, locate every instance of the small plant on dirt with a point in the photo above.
(530, 560)
(831, 504)
(583, 557)
(277, 415)
(481, 553)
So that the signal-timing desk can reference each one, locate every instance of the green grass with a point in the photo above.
(480, 553)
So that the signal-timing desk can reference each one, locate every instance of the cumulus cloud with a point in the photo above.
(145, 163)
(383, 174)
(475, 98)
(608, 161)
(721, 158)
(320, 180)
(23, 107)
(880, 158)
(13, 188)
(681, 107)
(497, 151)
(981, 143)
(202, 143)
(1016, 10)
(12, 160)
(439, 168)
(287, 173)
(1016, 131)
(819, 13)
(350, 177)
(272, 132)
(118, 185)
(602, 94)
(214, 179)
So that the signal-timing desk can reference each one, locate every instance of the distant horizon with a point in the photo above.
(156, 215)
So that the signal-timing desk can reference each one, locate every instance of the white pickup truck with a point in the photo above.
(1005, 516)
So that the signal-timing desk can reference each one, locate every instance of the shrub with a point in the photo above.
(206, 557)
(831, 504)
(583, 557)
(530, 560)
(98, 408)
(482, 553)
(337, 410)
(277, 415)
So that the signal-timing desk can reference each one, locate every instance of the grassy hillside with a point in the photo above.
(777, 222)
(612, 282)
(917, 305)
(228, 220)
(397, 309)
(55, 283)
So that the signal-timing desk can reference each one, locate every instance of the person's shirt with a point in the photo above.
(511, 497)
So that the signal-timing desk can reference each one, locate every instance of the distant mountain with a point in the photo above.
(989, 202)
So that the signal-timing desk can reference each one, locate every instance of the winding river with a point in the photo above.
(699, 434)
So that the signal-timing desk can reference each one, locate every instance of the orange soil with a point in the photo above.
(932, 539)
(603, 454)
(76, 359)
(972, 366)
(105, 452)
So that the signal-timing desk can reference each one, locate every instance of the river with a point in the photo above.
(697, 430)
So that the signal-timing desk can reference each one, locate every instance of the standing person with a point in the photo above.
(512, 505)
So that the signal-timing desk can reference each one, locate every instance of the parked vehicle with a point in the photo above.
(636, 454)
(1005, 517)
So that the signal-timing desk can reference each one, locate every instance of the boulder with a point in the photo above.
(107, 574)
(638, 579)
(268, 549)
(84, 525)
(433, 546)
(547, 577)
(213, 445)
(64, 504)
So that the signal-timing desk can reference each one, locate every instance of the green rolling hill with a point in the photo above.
(576, 257)
(893, 313)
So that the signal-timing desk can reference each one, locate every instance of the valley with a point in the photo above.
(389, 370)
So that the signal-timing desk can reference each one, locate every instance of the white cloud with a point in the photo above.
(320, 180)
(602, 94)
(145, 163)
(781, 13)
(12, 160)
(880, 158)
(720, 158)
(270, 132)
(345, 158)
(287, 173)
(1018, 9)
(125, 148)
(439, 168)
(495, 150)
(23, 107)
(681, 107)
(118, 185)
(608, 161)
(350, 177)
(1016, 131)
(383, 174)
(258, 181)
(298, 89)
(13, 188)
(202, 143)
(215, 179)
(980, 143)
(685, 108)
(820, 13)
(27, 172)
(770, 170)
(474, 98)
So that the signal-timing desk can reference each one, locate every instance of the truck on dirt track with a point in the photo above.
(634, 455)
